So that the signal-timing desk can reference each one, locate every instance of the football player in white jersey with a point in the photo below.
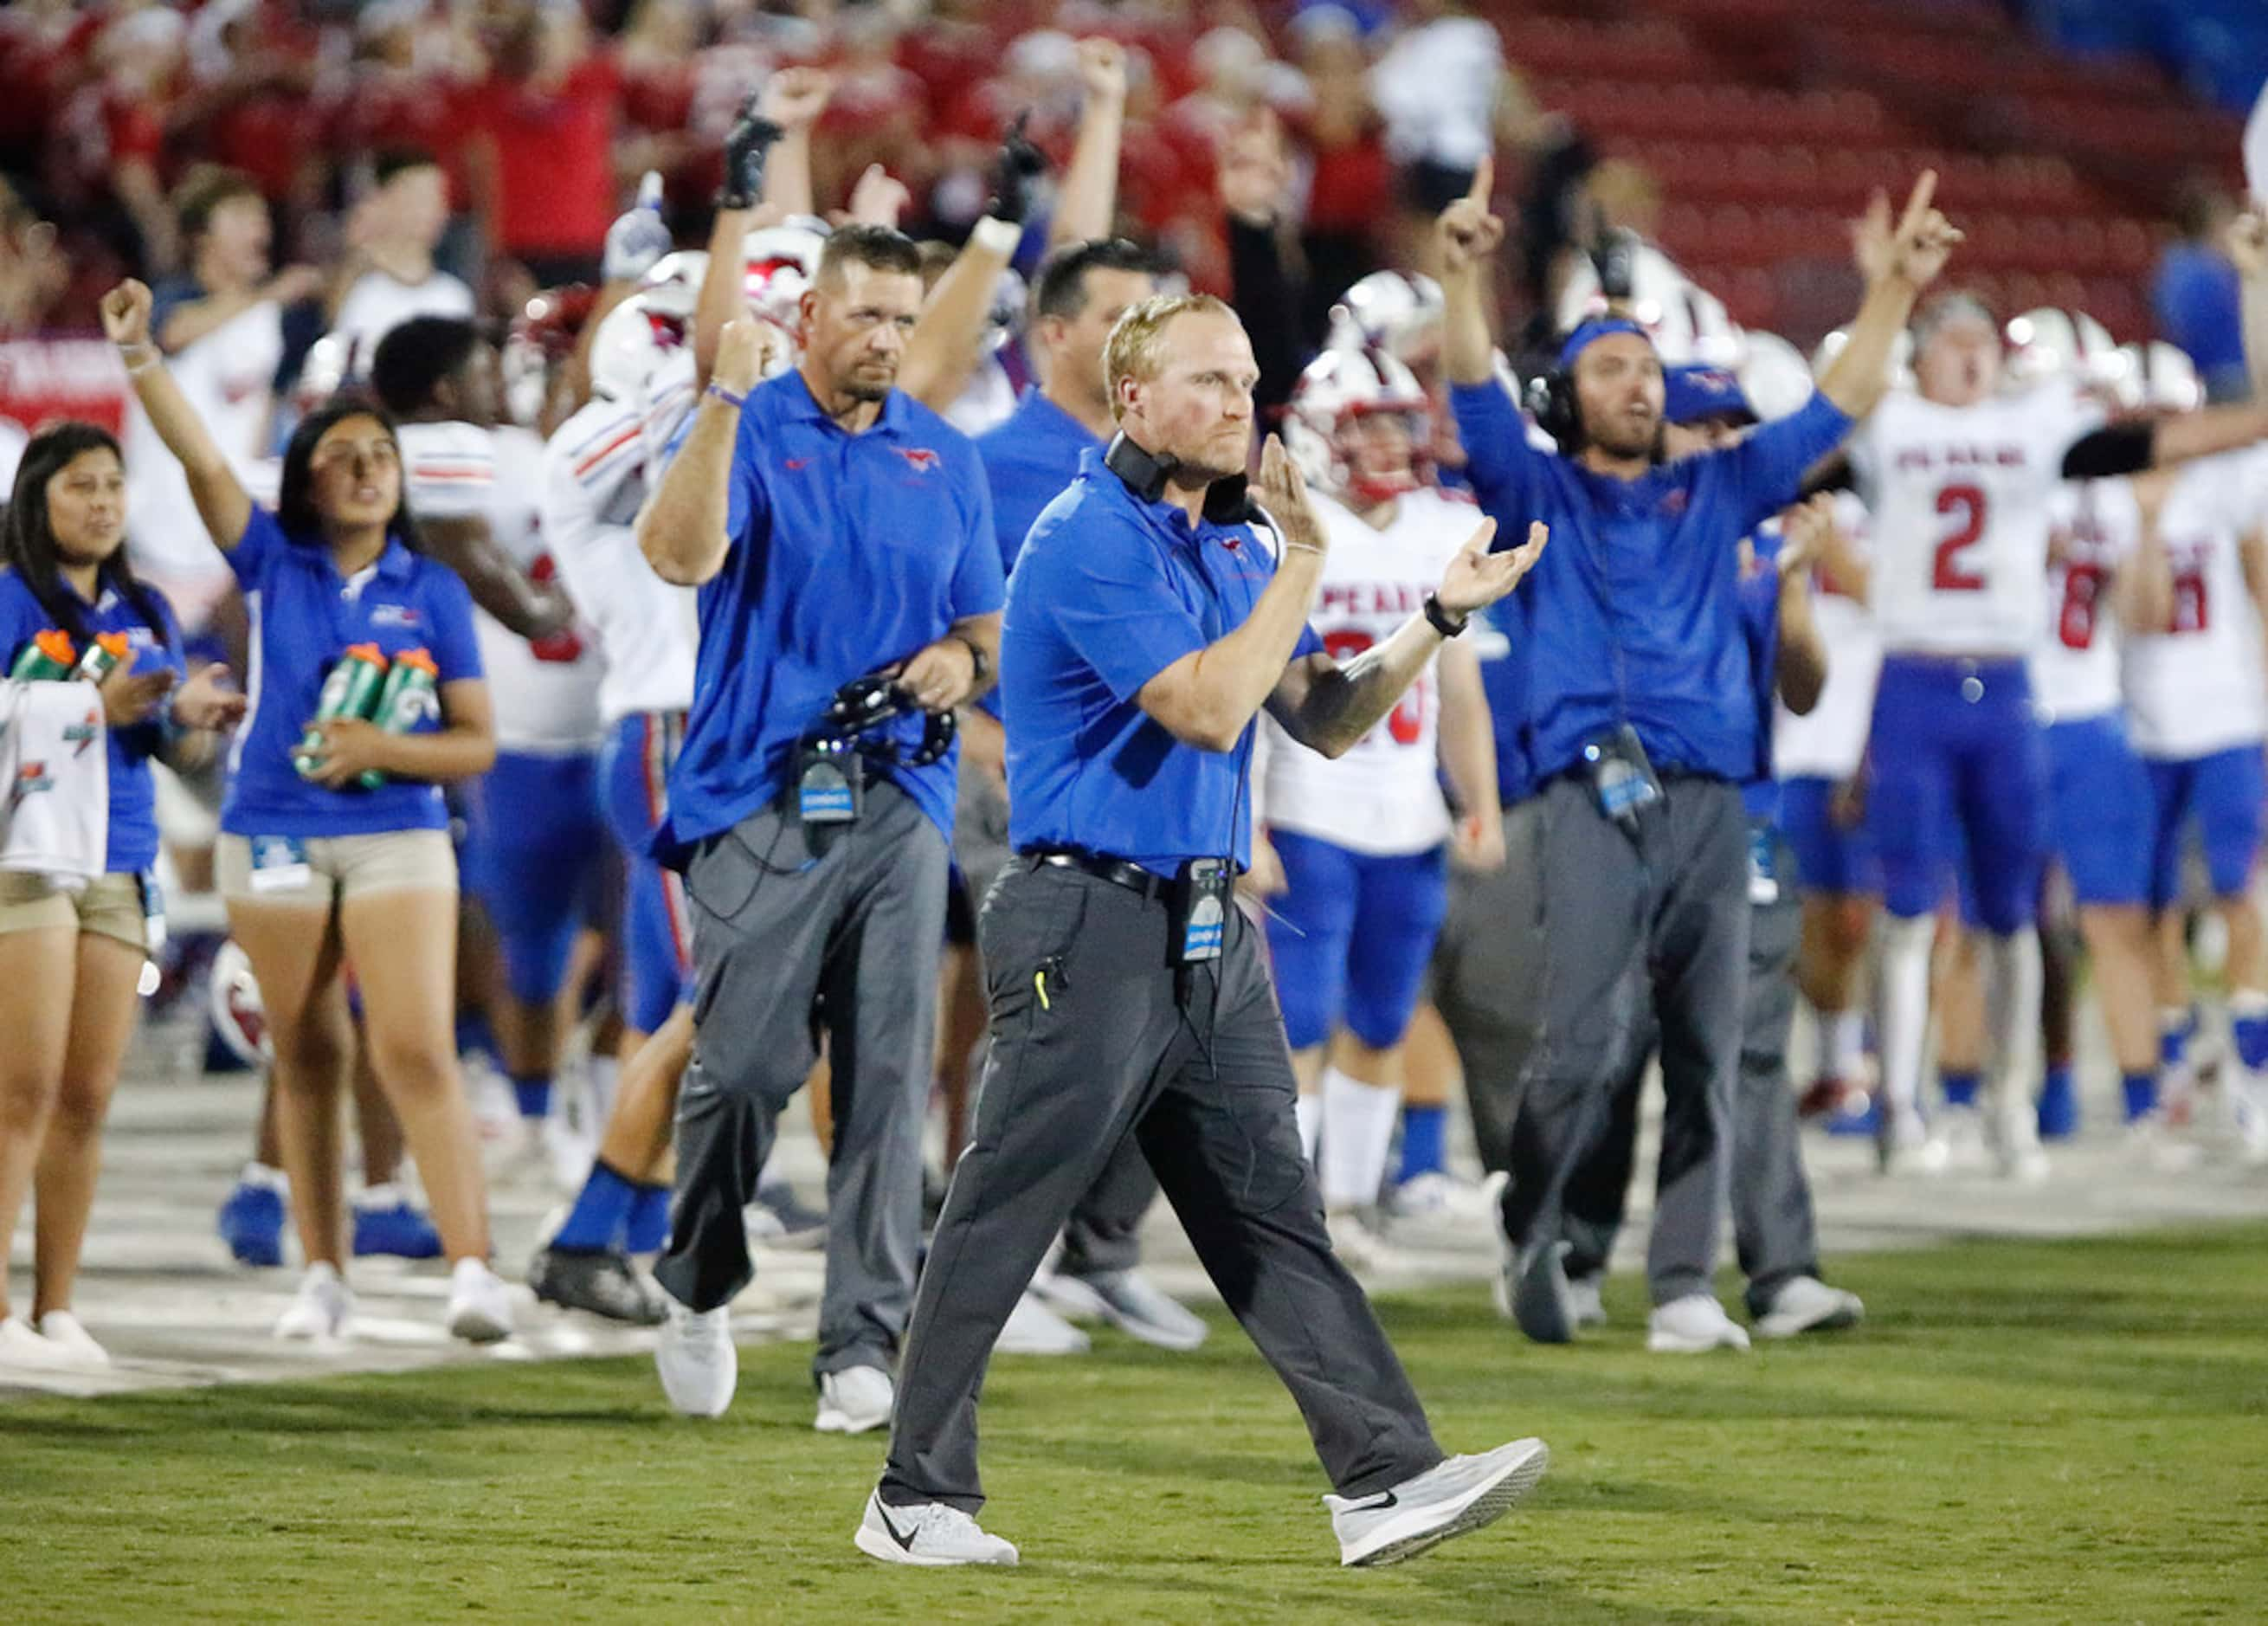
(536, 845)
(2198, 694)
(1363, 842)
(1818, 756)
(1960, 480)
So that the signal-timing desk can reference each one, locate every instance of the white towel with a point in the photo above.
(55, 781)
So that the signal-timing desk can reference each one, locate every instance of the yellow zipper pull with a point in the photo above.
(1040, 982)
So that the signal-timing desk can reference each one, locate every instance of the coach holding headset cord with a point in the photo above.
(1147, 623)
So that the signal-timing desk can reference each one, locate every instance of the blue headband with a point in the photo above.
(1591, 332)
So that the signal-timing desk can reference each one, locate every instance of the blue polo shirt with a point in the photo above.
(304, 614)
(1028, 458)
(133, 831)
(1108, 592)
(849, 552)
(1633, 614)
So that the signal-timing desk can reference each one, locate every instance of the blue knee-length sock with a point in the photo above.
(602, 1209)
(533, 1091)
(1959, 1088)
(2140, 1090)
(648, 1230)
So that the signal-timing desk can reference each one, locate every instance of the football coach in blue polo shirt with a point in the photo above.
(1153, 613)
(837, 528)
(1641, 722)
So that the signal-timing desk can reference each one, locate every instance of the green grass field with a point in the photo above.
(2067, 1431)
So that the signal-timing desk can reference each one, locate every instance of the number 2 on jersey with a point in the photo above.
(1951, 575)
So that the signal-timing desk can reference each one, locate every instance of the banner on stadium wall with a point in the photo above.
(42, 380)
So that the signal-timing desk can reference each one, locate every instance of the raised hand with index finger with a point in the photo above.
(1466, 231)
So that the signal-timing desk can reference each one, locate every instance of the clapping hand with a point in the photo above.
(1476, 578)
(1281, 491)
(206, 701)
(130, 697)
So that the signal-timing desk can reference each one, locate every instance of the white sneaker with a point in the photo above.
(699, 1365)
(2248, 1106)
(62, 1328)
(1034, 1329)
(22, 1347)
(1807, 1304)
(1906, 1147)
(480, 1303)
(1458, 1496)
(855, 1400)
(2152, 1145)
(322, 1309)
(928, 1533)
(1363, 1249)
(1441, 1196)
(1587, 1295)
(1957, 1142)
(568, 1150)
(1693, 1325)
(2015, 1141)
(1129, 1301)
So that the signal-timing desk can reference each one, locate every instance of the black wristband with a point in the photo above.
(1441, 620)
(976, 653)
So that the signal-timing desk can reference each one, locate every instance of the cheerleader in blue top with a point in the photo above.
(71, 962)
(321, 873)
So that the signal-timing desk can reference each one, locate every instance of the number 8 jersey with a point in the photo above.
(1963, 506)
(1384, 795)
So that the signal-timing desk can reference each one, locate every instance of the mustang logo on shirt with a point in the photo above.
(921, 457)
(394, 615)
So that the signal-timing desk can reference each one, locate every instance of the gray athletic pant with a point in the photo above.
(1773, 1221)
(798, 929)
(1104, 1233)
(1646, 924)
(1487, 979)
(1096, 1035)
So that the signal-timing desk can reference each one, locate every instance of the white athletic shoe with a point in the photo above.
(480, 1303)
(2248, 1106)
(1905, 1147)
(1363, 1249)
(1034, 1329)
(1588, 1296)
(62, 1328)
(567, 1150)
(698, 1364)
(2152, 1145)
(1957, 1142)
(855, 1400)
(1459, 1495)
(1440, 1196)
(929, 1534)
(1807, 1304)
(322, 1309)
(22, 1348)
(1129, 1301)
(2015, 1141)
(1693, 1325)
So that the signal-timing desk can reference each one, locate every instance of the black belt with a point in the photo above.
(1118, 871)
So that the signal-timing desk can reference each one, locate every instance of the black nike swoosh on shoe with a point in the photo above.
(1384, 1502)
(905, 1541)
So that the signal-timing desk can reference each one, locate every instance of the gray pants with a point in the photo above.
(1645, 926)
(1104, 1232)
(799, 929)
(1773, 1222)
(1487, 979)
(1097, 1035)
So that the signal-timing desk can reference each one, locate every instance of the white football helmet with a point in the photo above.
(633, 343)
(1684, 320)
(2045, 342)
(672, 286)
(1902, 352)
(1388, 310)
(782, 262)
(1773, 375)
(1339, 386)
(2156, 374)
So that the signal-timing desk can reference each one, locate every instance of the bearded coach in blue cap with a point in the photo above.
(1641, 724)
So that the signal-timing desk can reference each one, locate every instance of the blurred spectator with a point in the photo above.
(109, 136)
(410, 83)
(249, 105)
(1438, 86)
(2194, 293)
(40, 43)
(1349, 180)
(32, 269)
(543, 163)
(388, 275)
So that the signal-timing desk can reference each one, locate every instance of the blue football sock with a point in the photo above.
(648, 1230)
(473, 1035)
(2251, 1035)
(2059, 1105)
(2141, 1093)
(2174, 1038)
(601, 1210)
(534, 1094)
(1424, 1133)
(1959, 1088)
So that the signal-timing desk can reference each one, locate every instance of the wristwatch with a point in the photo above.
(1441, 621)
